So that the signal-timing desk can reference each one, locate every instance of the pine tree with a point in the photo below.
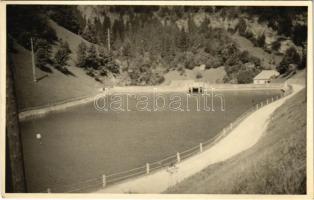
(242, 27)
(183, 41)
(91, 58)
(191, 25)
(90, 32)
(81, 55)
(104, 57)
(43, 53)
(62, 56)
(204, 26)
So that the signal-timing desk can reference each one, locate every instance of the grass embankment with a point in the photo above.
(275, 165)
(52, 85)
(245, 44)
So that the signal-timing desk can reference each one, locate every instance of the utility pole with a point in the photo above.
(33, 62)
(108, 39)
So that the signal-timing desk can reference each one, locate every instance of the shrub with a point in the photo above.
(199, 75)
(245, 76)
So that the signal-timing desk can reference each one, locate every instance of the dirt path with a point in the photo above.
(241, 138)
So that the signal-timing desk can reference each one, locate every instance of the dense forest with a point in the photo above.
(142, 43)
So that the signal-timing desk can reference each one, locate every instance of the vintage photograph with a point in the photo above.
(156, 99)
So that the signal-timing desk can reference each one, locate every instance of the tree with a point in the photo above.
(304, 59)
(242, 26)
(43, 53)
(67, 16)
(183, 41)
(299, 34)
(191, 25)
(25, 22)
(204, 26)
(103, 56)
(90, 32)
(245, 76)
(91, 58)
(62, 56)
(98, 31)
(291, 57)
(81, 55)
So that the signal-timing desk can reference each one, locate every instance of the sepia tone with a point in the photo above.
(158, 99)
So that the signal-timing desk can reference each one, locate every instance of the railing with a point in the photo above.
(104, 180)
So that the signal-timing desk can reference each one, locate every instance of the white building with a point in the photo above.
(265, 76)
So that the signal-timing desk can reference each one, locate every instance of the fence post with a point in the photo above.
(201, 147)
(256, 106)
(178, 157)
(272, 99)
(48, 190)
(261, 104)
(266, 101)
(104, 181)
(147, 168)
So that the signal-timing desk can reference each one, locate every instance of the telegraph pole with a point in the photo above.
(33, 62)
(108, 38)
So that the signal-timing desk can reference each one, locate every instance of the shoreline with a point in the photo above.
(40, 111)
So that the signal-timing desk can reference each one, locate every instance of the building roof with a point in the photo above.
(266, 74)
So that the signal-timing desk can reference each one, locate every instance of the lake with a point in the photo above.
(84, 142)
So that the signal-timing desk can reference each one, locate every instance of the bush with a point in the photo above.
(245, 76)
(199, 75)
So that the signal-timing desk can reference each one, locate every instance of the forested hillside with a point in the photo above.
(139, 45)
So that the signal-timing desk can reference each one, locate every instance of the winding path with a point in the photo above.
(242, 137)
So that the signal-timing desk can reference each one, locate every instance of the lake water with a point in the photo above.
(82, 142)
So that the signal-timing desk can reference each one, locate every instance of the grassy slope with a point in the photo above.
(54, 86)
(210, 75)
(275, 165)
(245, 44)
